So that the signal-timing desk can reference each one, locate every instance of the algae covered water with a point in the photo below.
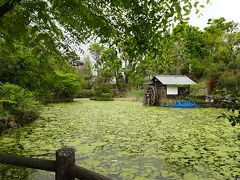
(125, 140)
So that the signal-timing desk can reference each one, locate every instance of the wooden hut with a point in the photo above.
(164, 87)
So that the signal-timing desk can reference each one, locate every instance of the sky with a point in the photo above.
(229, 9)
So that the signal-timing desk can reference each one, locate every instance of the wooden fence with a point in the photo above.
(64, 165)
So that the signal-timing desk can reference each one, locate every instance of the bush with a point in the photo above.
(65, 86)
(102, 83)
(199, 89)
(230, 80)
(138, 95)
(18, 103)
(103, 97)
(231, 101)
(107, 95)
(84, 93)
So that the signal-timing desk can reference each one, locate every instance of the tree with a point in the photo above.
(137, 25)
(20, 65)
(223, 41)
(111, 21)
(102, 83)
(186, 50)
(107, 64)
(96, 51)
(112, 63)
(87, 69)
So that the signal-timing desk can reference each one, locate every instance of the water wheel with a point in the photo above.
(150, 95)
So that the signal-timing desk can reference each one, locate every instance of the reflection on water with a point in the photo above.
(125, 140)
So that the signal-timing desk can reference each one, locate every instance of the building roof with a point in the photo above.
(174, 80)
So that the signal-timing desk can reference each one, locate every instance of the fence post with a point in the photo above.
(65, 158)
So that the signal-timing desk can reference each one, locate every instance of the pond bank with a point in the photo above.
(125, 140)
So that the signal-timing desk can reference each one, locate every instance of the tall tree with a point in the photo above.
(223, 40)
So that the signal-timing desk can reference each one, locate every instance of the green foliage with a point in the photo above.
(107, 95)
(119, 70)
(87, 69)
(231, 101)
(211, 54)
(137, 94)
(196, 88)
(197, 68)
(96, 51)
(19, 102)
(84, 93)
(41, 28)
(108, 68)
(65, 85)
(103, 83)
(103, 97)
(222, 39)
(39, 73)
(108, 65)
(143, 22)
(230, 80)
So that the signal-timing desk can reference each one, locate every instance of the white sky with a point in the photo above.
(229, 9)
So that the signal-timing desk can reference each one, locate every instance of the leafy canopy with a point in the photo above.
(141, 21)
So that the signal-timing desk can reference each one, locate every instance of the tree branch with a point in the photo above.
(7, 6)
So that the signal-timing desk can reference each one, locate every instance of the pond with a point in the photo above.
(125, 140)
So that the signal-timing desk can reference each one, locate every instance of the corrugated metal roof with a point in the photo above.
(174, 80)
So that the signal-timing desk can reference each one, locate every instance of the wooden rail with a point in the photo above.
(64, 166)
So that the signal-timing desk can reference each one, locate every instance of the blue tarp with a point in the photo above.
(184, 104)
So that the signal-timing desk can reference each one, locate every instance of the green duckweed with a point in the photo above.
(125, 140)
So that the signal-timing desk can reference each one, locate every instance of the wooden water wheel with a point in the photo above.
(150, 92)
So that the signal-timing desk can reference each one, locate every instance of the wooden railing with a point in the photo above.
(64, 165)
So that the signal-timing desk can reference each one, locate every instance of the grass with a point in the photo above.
(126, 140)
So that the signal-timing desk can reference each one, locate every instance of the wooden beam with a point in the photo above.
(42, 164)
(64, 166)
(82, 173)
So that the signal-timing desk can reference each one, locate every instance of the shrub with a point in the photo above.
(65, 86)
(103, 83)
(107, 95)
(19, 103)
(231, 101)
(138, 95)
(84, 93)
(103, 97)
(199, 89)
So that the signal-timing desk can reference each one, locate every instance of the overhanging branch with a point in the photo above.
(7, 6)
